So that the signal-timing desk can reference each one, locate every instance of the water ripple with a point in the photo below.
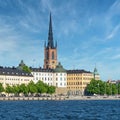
(60, 110)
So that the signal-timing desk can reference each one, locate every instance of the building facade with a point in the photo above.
(13, 76)
(60, 79)
(50, 50)
(45, 75)
(77, 81)
(53, 77)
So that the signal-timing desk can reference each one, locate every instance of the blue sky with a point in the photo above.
(87, 32)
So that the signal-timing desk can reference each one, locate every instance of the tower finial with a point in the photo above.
(50, 34)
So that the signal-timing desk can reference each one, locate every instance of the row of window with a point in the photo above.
(74, 87)
(41, 74)
(74, 83)
(49, 79)
(77, 83)
(14, 73)
(80, 74)
(61, 79)
(61, 84)
(17, 79)
(77, 78)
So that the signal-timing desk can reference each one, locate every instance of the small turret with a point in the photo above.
(96, 74)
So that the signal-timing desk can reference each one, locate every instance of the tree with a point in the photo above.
(41, 87)
(1, 88)
(114, 89)
(16, 89)
(26, 69)
(32, 87)
(51, 89)
(118, 88)
(24, 89)
(93, 87)
(8, 89)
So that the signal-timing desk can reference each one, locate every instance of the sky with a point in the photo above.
(87, 33)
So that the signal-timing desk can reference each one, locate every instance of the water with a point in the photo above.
(60, 110)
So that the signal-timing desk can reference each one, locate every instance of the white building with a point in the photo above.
(13, 76)
(55, 77)
(45, 75)
(60, 76)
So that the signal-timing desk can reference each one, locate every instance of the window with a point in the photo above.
(47, 55)
(53, 55)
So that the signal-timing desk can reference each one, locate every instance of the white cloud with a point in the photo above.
(113, 32)
(116, 57)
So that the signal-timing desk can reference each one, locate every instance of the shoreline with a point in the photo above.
(60, 98)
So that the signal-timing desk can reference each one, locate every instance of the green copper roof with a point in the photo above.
(95, 71)
(59, 68)
(21, 65)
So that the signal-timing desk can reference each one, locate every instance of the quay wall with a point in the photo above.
(61, 98)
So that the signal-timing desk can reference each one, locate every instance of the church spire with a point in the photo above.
(50, 34)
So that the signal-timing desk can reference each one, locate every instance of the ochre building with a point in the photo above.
(77, 81)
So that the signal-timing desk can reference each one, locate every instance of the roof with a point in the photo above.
(13, 72)
(21, 65)
(59, 68)
(95, 71)
(77, 71)
(40, 70)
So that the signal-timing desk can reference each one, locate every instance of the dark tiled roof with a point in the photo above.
(77, 71)
(41, 70)
(13, 72)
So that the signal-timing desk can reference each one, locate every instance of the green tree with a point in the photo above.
(32, 87)
(41, 87)
(26, 69)
(118, 88)
(16, 89)
(24, 89)
(114, 89)
(93, 87)
(1, 88)
(9, 89)
(51, 89)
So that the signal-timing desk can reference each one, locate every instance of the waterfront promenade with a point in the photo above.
(63, 98)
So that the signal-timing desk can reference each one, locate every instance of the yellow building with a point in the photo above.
(77, 80)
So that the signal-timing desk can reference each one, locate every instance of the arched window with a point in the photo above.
(53, 55)
(47, 55)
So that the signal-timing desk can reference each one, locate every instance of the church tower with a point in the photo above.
(50, 50)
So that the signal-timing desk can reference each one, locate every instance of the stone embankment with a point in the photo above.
(32, 98)
(93, 98)
(62, 98)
